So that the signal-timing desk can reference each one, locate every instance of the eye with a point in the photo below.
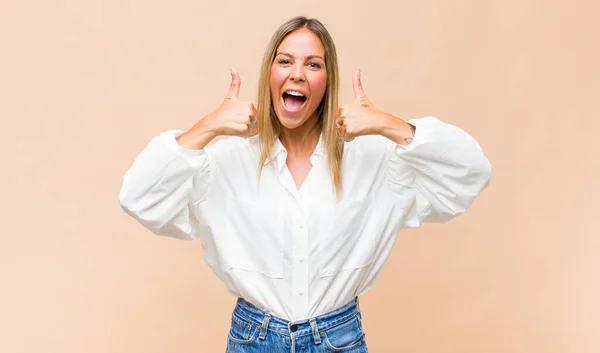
(283, 61)
(314, 65)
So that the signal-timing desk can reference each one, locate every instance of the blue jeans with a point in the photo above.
(254, 331)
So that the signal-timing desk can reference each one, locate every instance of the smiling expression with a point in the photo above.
(298, 78)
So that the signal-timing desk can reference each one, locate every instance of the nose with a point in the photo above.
(297, 74)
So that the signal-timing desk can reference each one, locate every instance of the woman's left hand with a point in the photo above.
(360, 117)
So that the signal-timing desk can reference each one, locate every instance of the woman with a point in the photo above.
(299, 209)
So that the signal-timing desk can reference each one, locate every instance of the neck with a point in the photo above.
(302, 140)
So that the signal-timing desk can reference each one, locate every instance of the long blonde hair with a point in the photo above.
(268, 126)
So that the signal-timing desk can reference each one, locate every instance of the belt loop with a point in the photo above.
(265, 324)
(358, 309)
(315, 330)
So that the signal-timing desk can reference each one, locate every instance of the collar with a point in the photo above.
(279, 150)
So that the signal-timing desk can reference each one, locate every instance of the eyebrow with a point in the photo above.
(307, 58)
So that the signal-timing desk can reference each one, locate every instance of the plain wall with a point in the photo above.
(84, 85)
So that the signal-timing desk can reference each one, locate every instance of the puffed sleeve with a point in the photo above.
(445, 168)
(162, 185)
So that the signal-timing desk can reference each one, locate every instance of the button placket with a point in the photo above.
(300, 266)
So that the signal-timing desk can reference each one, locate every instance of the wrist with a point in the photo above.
(199, 135)
(388, 123)
(209, 126)
(397, 130)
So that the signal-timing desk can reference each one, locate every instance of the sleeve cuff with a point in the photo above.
(421, 134)
(168, 138)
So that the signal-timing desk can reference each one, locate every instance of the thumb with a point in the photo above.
(234, 89)
(359, 93)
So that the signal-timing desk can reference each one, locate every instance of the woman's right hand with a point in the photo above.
(233, 118)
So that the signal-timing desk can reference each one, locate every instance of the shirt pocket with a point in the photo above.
(254, 237)
(348, 242)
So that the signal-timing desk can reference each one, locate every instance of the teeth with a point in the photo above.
(294, 93)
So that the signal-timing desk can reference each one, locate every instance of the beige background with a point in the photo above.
(84, 85)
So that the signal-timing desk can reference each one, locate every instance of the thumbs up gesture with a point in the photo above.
(234, 117)
(360, 117)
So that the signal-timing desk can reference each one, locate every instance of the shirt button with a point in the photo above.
(300, 292)
(301, 225)
(301, 259)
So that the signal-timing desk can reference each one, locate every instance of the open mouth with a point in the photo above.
(293, 101)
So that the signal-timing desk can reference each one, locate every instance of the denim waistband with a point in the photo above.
(302, 327)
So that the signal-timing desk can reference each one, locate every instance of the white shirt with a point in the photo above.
(298, 253)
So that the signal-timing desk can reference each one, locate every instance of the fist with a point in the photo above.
(234, 117)
(359, 117)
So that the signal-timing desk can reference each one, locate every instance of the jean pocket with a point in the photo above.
(253, 237)
(345, 337)
(242, 331)
(348, 242)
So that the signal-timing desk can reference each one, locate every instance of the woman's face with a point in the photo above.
(298, 78)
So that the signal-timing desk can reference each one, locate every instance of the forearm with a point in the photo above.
(199, 136)
(157, 189)
(397, 130)
(447, 165)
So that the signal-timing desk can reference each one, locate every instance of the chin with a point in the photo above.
(290, 125)
(290, 122)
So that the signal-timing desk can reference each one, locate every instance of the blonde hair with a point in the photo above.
(268, 126)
